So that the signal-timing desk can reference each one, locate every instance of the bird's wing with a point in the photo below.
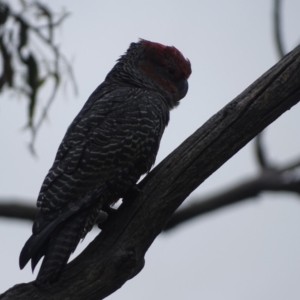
(103, 143)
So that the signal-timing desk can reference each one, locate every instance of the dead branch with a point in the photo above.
(117, 253)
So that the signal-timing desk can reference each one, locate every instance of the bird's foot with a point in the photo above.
(133, 192)
(107, 210)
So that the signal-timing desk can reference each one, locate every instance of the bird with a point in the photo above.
(110, 144)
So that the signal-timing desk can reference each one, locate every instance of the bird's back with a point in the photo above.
(112, 141)
(102, 155)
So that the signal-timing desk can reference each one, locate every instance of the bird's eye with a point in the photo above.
(171, 71)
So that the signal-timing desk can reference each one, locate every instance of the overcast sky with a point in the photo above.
(248, 251)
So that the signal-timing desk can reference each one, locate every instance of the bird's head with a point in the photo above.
(167, 67)
(153, 65)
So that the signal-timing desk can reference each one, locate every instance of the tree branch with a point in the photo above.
(117, 253)
(14, 208)
(260, 152)
(259, 149)
(277, 28)
(285, 179)
(270, 180)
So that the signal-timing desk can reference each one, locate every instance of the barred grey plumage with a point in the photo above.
(112, 141)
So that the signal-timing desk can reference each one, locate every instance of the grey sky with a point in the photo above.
(249, 251)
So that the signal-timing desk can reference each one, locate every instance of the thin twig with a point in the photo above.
(260, 152)
(58, 59)
(278, 29)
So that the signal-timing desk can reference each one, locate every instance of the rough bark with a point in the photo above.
(117, 253)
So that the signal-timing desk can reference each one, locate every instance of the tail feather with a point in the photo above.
(61, 245)
(38, 255)
(57, 239)
(34, 245)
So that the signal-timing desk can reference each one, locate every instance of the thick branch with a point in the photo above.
(259, 149)
(117, 253)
